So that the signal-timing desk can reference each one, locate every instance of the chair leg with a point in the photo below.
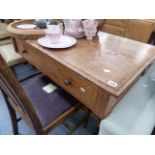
(13, 116)
(14, 120)
(87, 118)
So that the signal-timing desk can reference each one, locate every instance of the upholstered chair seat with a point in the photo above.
(51, 105)
(6, 47)
(9, 55)
(5, 41)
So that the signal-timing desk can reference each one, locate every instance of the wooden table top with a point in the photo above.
(110, 62)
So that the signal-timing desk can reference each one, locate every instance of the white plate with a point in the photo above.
(65, 42)
(26, 26)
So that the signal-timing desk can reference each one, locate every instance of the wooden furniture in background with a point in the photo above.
(114, 26)
(8, 21)
(34, 33)
(135, 29)
(139, 30)
(12, 58)
(31, 33)
(42, 111)
(152, 21)
(3, 32)
(85, 69)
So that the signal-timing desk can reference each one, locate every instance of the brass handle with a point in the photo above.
(67, 82)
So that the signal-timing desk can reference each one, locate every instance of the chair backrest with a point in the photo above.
(135, 29)
(139, 30)
(17, 97)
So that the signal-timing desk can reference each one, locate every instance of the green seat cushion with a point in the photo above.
(9, 55)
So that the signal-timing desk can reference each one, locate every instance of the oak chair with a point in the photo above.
(139, 30)
(41, 110)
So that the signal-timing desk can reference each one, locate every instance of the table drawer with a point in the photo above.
(76, 85)
(85, 91)
(117, 22)
(113, 30)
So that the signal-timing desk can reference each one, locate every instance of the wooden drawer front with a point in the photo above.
(77, 86)
(113, 30)
(117, 22)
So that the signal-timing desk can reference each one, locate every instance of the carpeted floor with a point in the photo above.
(23, 71)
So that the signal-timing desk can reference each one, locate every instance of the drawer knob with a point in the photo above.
(24, 51)
(67, 82)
